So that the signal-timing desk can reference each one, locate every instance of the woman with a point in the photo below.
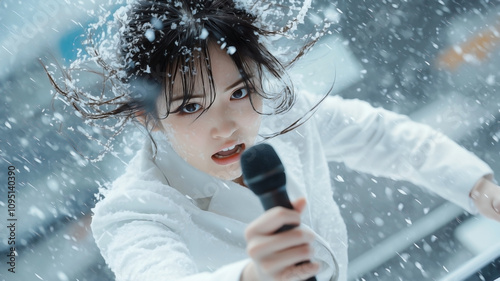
(199, 77)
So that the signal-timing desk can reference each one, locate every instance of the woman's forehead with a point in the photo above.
(219, 69)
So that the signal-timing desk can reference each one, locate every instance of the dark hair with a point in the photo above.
(160, 40)
(165, 39)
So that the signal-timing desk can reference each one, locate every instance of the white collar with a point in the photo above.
(225, 197)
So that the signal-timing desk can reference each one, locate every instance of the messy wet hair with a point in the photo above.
(168, 41)
(160, 42)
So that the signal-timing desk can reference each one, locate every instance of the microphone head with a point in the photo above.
(262, 169)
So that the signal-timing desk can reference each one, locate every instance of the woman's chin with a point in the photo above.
(232, 173)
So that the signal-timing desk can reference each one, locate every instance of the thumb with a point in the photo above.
(496, 205)
(299, 204)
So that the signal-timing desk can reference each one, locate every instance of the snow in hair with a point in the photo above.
(127, 44)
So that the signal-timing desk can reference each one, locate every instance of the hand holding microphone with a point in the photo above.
(279, 249)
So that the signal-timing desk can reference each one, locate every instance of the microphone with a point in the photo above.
(264, 174)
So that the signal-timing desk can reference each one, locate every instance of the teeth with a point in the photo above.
(229, 148)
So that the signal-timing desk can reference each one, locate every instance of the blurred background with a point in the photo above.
(436, 61)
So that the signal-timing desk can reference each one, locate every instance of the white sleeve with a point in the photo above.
(383, 143)
(146, 250)
(139, 242)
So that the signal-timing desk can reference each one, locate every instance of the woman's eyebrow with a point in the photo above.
(236, 83)
(182, 97)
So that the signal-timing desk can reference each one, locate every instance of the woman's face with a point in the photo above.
(214, 141)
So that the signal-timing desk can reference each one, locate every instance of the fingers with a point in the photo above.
(496, 205)
(486, 196)
(283, 265)
(300, 272)
(286, 258)
(495, 208)
(299, 204)
(265, 245)
(278, 256)
(271, 221)
(292, 273)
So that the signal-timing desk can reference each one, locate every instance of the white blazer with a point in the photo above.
(165, 220)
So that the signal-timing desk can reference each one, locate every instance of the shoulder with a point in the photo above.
(139, 193)
(140, 167)
(322, 106)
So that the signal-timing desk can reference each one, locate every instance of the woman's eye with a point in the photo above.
(239, 94)
(191, 108)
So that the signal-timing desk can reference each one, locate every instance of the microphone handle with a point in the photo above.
(279, 197)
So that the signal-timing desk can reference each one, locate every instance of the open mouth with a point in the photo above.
(229, 155)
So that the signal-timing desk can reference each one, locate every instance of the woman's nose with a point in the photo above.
(223, 127)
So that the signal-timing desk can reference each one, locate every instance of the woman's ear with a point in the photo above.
(141, 117)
